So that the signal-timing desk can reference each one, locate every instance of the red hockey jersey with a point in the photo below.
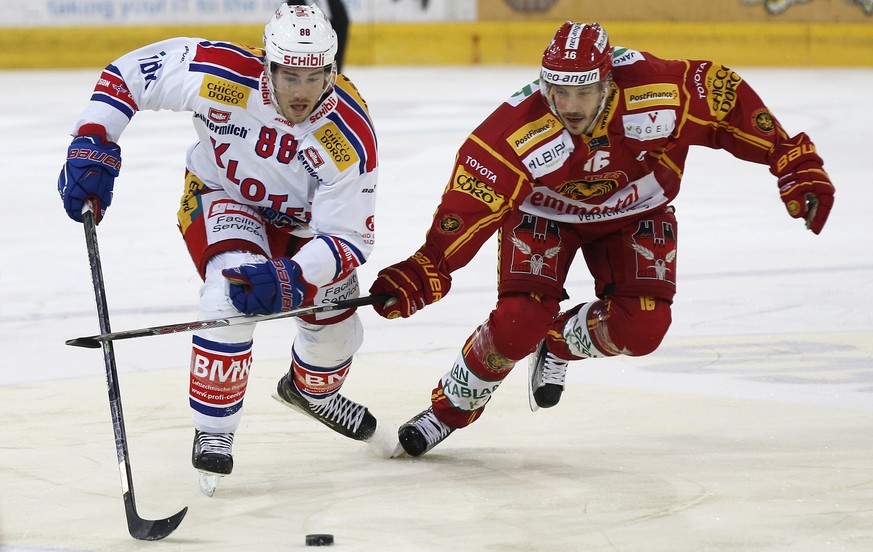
(521, 157)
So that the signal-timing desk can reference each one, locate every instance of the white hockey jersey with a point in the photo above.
(316, 179)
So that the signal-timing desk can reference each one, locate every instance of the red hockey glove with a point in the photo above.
(804, 185)
(418, 281)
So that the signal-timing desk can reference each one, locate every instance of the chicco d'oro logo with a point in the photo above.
(224, 91)
(337, 146)
(722, 84)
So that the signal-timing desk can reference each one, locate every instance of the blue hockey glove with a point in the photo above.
(269, 287)
(89, 173)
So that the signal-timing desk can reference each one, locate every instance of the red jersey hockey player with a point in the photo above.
(277, 211)
(586, 159)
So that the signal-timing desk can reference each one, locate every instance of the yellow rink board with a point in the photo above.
(787, 44)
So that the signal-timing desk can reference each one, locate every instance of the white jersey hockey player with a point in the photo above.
(277, 210)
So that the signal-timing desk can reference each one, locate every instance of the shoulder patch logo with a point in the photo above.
(450, 224)
(763, 121)
(531, 134)
(224, 91)
(649, 95)
(337, 146)
(471, 185)
(524, 93)
(625, 56)
(721, 83)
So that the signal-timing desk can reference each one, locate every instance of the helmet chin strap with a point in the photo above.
(607, 85)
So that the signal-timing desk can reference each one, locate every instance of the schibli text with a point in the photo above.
(326, 108)
(304, 60)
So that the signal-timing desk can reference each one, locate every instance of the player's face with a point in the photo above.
(577, 106)
(297, 90)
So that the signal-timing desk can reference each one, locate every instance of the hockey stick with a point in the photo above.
(94, 341)
(139, 528)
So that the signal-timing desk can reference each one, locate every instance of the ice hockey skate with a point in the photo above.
(212, 456)
(546, 374)
(420, 434)
(340, 414)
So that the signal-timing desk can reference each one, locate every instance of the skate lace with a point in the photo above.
(216, 443)
(554, 369)
(341, 410)
(431, 428)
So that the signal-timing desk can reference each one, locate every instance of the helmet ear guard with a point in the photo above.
(300, 37)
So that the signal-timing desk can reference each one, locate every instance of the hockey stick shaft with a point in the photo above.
(138, 527)
(94, 341)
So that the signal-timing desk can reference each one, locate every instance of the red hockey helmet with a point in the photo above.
(578, 54)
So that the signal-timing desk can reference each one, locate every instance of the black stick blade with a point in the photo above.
(151, 530)
(85, 342)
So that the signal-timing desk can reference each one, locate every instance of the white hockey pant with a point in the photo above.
(221, 357)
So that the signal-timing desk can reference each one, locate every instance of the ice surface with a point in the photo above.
(749, 429)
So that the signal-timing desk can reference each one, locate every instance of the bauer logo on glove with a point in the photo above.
(274, 286)
(89, 174)
(804, 186)
(418, 281)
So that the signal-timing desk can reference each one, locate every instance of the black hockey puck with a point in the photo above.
(321, 539)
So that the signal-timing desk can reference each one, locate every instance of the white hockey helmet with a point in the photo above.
(300, 36)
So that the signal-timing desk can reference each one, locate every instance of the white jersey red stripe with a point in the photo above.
(316, 178)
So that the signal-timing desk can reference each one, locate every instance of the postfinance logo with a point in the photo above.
(653, 94)
(533, 133)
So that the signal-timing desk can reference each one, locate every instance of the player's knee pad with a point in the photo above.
(637, 325)
(519, 322)
(214, 302)
(328, 344)
(631, 326)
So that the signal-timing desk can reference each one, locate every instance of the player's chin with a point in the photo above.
(575, 126)
(297, 113)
